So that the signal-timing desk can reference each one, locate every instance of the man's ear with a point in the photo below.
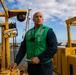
(43, 19)
(33, 19)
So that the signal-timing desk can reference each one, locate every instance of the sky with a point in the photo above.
(55, 13)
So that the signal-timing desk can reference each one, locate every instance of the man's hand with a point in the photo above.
(35, 60)
(13, 66)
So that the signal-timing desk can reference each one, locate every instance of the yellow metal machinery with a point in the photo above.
(6, 34)
(64, 61)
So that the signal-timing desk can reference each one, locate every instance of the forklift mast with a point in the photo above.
(70, 22)
(8, 32)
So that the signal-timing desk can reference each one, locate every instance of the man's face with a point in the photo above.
(38, 18)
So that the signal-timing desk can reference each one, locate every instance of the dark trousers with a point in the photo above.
(40, 69)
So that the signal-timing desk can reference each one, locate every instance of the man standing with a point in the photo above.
(40, 44)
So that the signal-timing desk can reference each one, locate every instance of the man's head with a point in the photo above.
(38, 18)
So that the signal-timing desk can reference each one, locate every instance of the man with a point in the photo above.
(40, 44)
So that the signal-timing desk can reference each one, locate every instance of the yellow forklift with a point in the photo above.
(64, 61)
(9, 31)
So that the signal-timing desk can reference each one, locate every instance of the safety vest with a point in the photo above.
(36, 41)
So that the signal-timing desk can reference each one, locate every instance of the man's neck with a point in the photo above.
(36, 27)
